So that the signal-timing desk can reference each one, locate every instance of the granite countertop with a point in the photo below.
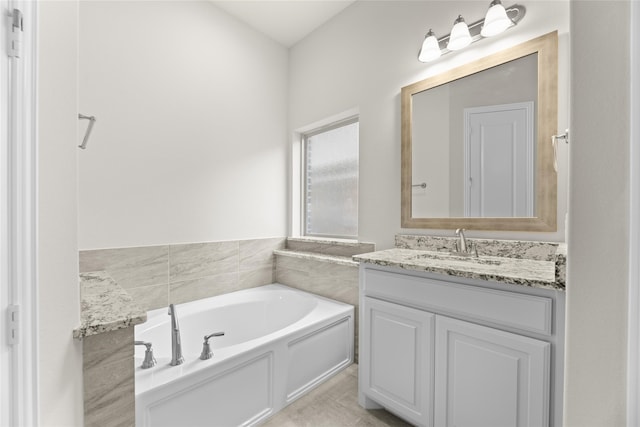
(516, 271)
(105, 306)
(332, 259)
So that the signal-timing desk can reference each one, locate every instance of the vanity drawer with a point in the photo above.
(503, 308)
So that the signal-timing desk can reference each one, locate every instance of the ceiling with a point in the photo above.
(285, 21)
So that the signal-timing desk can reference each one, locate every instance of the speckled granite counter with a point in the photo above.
(534, 264)
(105, 306)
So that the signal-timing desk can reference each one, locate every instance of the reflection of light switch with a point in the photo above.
(13, 324)
(15, 34)
(15, 47)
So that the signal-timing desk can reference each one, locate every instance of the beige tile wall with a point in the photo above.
(339, 282)
(329, 247)
(158, 275)
(108, 376)
(335, 281)
(323, 277)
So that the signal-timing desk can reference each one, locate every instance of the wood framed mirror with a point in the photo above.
(476, 143)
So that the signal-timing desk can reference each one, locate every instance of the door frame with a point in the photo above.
(633, 358)
(18, 220)
(529, 107)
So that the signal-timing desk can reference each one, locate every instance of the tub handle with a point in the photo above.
(149, 360)
(206, 348)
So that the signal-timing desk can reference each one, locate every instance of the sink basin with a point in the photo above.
(448, 256)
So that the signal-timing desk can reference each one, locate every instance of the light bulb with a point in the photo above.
(460, 36)
(496, 20)
(430, 48)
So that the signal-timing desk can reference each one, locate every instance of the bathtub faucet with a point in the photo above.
(149, 360)
(176, 345)
(206, 348)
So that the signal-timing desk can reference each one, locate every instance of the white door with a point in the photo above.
(499, 160)
(396, 362)
(489, 378)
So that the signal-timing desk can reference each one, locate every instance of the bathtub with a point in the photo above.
(279, 343)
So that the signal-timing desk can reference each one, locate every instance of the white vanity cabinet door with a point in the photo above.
(396, 362)
(487, 377)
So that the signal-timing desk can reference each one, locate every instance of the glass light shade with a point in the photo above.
(460, 36)
(430, 48)
(496, 20)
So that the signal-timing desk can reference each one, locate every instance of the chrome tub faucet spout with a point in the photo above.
(176, 345)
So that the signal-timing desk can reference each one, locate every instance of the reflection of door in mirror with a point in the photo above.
(438, 137)
(499, 152)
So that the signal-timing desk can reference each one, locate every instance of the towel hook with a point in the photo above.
(92, 120)
(564, 136)
(554, 144)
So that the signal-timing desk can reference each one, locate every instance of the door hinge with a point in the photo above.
(13, 324)
(14, 38)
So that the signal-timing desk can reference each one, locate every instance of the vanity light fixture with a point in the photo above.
(460, 37)
(497, 20)
(430, 48)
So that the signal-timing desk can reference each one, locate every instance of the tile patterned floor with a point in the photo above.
(334, 404)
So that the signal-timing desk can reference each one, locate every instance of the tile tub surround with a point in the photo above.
(331, 277)
(344, 248)
(324, 267)
(328, 276)
(108, 315)
(109, 378)
(158, 275)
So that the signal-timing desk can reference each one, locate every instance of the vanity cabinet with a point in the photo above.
(465, 353)
(488, 377)
(399, 356)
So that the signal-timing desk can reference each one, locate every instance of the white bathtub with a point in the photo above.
(279, 343)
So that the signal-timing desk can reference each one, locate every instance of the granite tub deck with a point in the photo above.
(105, 306)
(108, 314)
(524, 263)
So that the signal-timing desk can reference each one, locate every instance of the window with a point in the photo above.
(330, 181)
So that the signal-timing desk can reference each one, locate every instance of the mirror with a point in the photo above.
(476, 143)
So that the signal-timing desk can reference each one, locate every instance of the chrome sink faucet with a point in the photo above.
(176, 345)
(463, 247)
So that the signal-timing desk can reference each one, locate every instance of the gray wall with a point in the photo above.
(351, 63)
(190, 141)
(60, 356)
(598, 215)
